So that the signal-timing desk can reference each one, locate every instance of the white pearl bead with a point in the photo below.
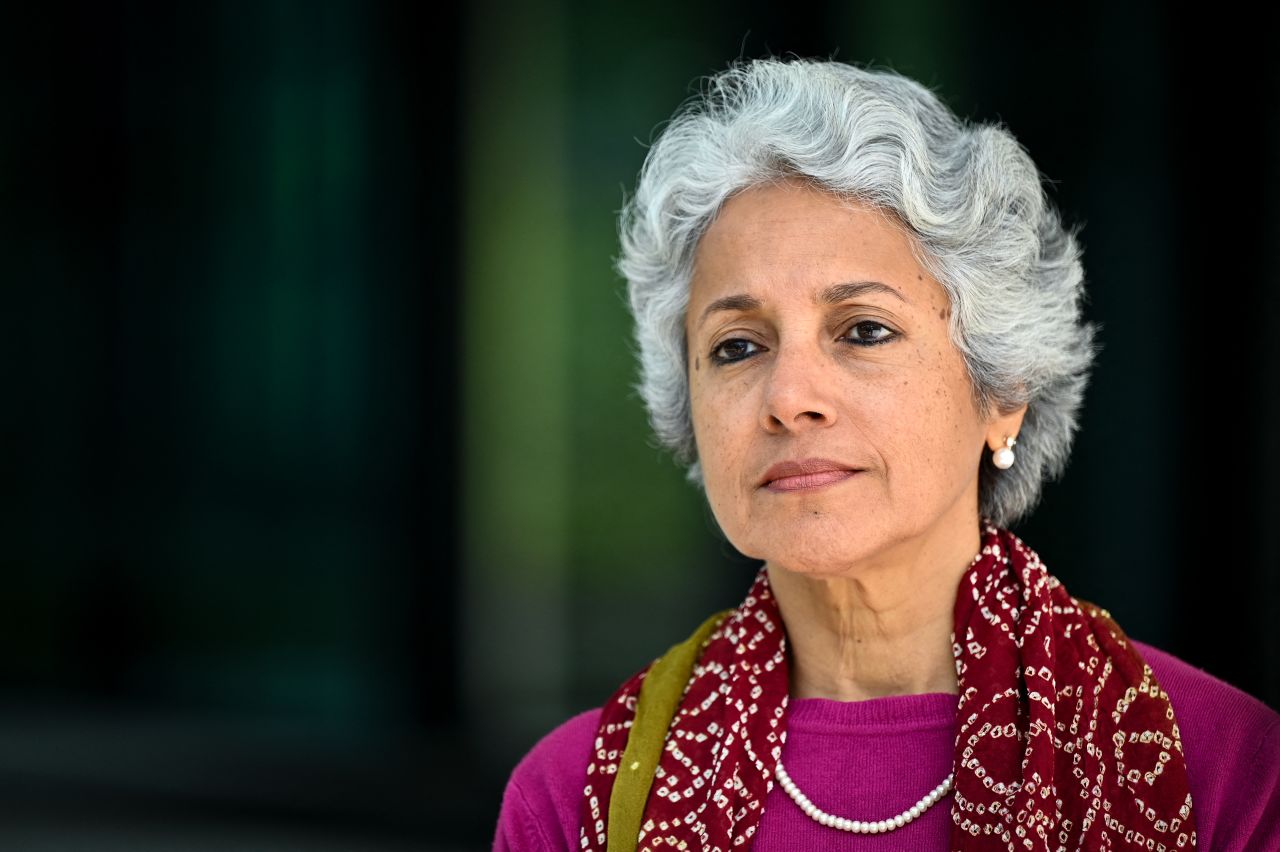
(858, 826)
(1003, 458)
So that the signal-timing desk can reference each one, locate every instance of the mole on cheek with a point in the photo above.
(697, 362)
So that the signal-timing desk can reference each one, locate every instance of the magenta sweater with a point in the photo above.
(868, 760)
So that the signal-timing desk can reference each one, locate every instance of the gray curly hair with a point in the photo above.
(969, 195)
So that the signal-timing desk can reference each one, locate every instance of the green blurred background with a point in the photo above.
(325, 491)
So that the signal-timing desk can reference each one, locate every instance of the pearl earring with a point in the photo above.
(1003, 457)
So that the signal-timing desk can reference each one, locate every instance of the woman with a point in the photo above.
(858, 320)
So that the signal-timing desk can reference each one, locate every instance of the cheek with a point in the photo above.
(722, 425)
(923, 426)
(946, 426)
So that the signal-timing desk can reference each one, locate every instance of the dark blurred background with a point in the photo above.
(325, 493)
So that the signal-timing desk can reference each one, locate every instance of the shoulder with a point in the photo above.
(1201, 700)
(1231, 743)
(540, 805)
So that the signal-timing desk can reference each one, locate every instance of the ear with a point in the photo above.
(1003, 425)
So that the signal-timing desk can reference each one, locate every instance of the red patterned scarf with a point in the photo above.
(1064, 740)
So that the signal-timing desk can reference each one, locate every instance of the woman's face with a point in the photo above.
(814, 333)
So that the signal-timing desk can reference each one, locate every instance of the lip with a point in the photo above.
(806, 474)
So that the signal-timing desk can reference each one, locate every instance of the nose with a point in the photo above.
(798, 392)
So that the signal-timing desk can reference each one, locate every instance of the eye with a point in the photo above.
(734, 349)
(870, 327)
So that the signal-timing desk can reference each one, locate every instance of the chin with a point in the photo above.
(818, 538)
(815, 552)
(820, 533)
(824, 567)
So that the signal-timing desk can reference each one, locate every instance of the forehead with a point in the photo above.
(789, 239)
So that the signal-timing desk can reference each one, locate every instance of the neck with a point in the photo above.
(882, 627)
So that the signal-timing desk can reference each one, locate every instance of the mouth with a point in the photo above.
(806, 475)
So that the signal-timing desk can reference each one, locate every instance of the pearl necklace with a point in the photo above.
(857, 826)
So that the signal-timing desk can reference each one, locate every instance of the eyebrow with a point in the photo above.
(833, 295)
